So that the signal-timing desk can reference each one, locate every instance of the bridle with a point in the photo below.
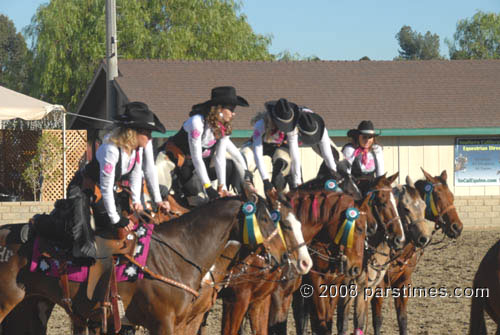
(412, 221)
(376, 208)
(432, 208)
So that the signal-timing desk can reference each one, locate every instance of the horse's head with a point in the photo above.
(385, 208)
(353, 252)
(292, 231)
(411, 209)
(439, 201)
(258, 221)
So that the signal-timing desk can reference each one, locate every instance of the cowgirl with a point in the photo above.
(203, 137)
(127, 153)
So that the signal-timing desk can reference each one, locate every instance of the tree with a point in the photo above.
(289, 56)
(417, 46)
(15, 58)
(476, 38)
(44, 167)
(69, 38)
(364, 58)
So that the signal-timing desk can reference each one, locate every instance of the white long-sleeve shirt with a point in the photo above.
(108, 155)
(201, 141)
(325, 150)
(350, 154)
(277, 138)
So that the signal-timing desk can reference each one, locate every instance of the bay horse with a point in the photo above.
(319, 210)
(487, 278)
(232, 259)
(445, 217)
(380, 257)
(380, 201)
(183, 249)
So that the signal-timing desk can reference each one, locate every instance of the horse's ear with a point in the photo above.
(392, 178)
(365, 201)
(427, 175)
(284, 200)
(409, 182)
(272, 197)
(444, 175)
(249, 191)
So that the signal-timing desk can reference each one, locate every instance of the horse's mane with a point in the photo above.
(316, 205)
(187, 218)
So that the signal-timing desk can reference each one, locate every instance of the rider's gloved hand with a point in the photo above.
(268, 185)
(212, 193)
(126, 224)
(124, 221)
(335, 175)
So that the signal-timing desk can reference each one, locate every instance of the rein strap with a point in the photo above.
(164, 279)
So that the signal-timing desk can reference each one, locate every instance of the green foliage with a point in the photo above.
(365, 58)
(288, 56)
(44, 167)
(15, 58)
(476, 38)
(417, 46)
(69, 38)
(51, 121)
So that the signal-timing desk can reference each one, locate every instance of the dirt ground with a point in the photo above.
(451, 267)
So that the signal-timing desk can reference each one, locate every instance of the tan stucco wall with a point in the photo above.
(478, 206)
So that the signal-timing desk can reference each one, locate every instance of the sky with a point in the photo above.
(332, 29)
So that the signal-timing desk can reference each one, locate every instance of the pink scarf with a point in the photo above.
(364, 153)
(368, 164)
(222, 129)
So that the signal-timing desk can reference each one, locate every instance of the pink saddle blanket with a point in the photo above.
(124, 272)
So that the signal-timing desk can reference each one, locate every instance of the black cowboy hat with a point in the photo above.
(365, 127)
(311, 127)
(284, 114)
(137, 115)
(224, 96)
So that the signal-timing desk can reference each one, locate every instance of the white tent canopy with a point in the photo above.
(16, 105)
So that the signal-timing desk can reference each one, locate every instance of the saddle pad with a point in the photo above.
(124, 272)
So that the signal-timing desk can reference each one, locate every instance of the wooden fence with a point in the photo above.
(19, 147)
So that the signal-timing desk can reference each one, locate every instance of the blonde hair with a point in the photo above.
(125, 138)
(215, 121)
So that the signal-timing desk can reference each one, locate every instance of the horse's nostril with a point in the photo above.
(423, 240)
(454, 228)
(354, 271)
(398, 241)
(304, 264)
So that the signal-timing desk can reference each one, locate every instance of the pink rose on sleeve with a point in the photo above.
(108, 168)
(195, 134)
(256, 133)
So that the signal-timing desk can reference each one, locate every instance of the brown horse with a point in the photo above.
(379, 256)
(381, 203)
(399, 274)
(318, 210)
(232, 259)
(183, 250)
(329, 281)
(214, 278)
(487, 278)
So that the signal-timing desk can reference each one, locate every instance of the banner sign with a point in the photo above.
(477, 161)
